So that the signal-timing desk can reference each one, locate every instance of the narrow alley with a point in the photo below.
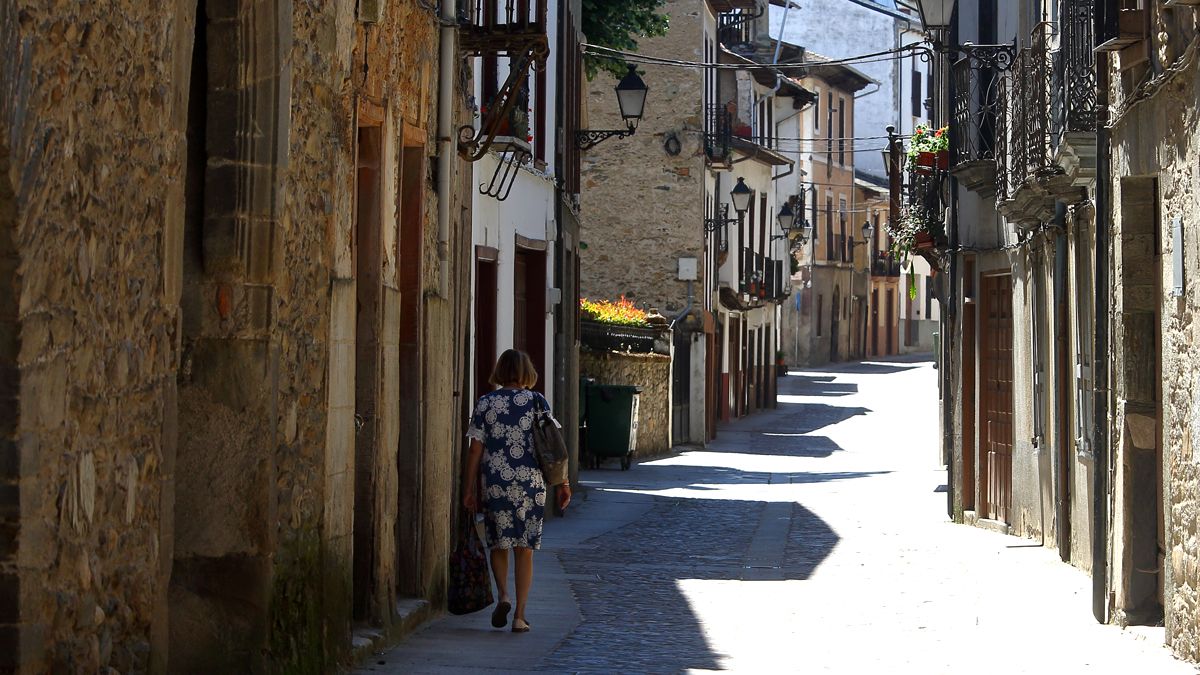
(812, 538)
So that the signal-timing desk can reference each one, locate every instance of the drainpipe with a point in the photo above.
(445, 135)
(1057, 469)
(687, 309)
(1100, 352)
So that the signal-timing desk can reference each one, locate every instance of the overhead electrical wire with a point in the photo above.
(645, 59)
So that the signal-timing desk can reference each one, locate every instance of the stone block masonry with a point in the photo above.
(178, 190)
(644, 206)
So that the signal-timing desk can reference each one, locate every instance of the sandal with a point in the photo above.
(521, 627)
(500, 614)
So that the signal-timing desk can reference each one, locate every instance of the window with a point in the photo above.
(842, 231)
(829, 242)
(842, 131)
(928, 299)
(817, 111)
(916, 93)
(820, 306)
(829, 133)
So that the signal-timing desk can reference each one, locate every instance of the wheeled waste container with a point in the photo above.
(611, 422)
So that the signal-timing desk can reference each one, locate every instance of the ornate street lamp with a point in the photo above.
(741, 194)
(868, 233)
(793, 226)
(631, 99)
(935, 14)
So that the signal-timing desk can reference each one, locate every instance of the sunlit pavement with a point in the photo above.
(812, 538)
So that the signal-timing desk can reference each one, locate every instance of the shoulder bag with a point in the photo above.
(548, 445)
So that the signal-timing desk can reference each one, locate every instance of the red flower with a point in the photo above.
(939, 132)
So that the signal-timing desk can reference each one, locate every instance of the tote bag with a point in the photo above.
(470, 587)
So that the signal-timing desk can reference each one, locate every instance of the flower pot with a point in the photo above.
(924, 241)
(927, 161)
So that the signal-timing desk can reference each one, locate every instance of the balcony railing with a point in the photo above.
(923, 200)
(884, 265)
(736, 28)
(1074, 73)
(503, 26)
(1025, 107)
(977, 82)
(718, 133)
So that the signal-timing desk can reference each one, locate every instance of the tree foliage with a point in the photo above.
(617, 24)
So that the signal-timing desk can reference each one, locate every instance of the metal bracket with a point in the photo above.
(586, 139)
(472, 144)
(721, 220)
(505, 175)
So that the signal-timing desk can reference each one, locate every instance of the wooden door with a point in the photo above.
(996, 395)
(968, 388)
(486, 280)
(835, 315)
(529, 309)
(875, 322)
(891, 322)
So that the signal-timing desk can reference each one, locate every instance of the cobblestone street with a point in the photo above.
(812, 538)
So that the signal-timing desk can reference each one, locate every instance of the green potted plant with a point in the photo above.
(780, 363)
(929, 149)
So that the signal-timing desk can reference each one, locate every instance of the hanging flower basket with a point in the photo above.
(929, 149)
(923, 240)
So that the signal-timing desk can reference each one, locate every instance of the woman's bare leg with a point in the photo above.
(500, 573)
(524, 564)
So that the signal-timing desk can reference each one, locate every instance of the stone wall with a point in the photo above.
(98, 332)
(651, 372)
(185, 497)
(1154, 136)
(644, 207)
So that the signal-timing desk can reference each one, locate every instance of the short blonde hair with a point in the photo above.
(514, 368)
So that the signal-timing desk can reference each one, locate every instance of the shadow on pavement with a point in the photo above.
(811, 385)
(662, 477)
(629, 582)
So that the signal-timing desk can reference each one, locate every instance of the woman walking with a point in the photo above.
(513, 488)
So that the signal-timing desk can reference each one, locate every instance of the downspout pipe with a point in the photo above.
(447, 153)
(687, 309)
(1058, 469)
(1100, 349)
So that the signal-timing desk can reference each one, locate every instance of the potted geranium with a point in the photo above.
(929, 149)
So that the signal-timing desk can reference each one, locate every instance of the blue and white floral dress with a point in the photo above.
(514, 492)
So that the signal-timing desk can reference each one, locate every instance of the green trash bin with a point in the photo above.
(611, 422)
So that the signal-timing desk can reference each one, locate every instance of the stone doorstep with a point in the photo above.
(974, 520)
(367, 643)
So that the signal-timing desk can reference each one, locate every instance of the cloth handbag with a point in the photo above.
(549, 446)
(469, 587)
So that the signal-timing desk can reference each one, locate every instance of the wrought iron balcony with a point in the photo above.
(923, 204)
(735, 29)
(509, 27)
(978, 78)
(884, 265)
(490, 29)
(1047, 113)
(718, 133)
(1075, 72)
(1025, 107)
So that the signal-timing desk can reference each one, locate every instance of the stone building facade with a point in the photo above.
(829, 320)
(660, 228)
(223, 262)
(1069, 374)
